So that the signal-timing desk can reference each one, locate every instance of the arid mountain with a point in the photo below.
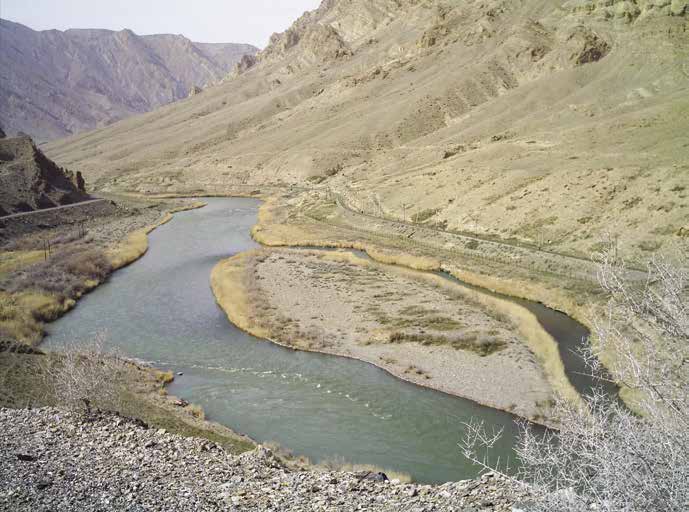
(542, 121)
(31, 181)
(55, 84)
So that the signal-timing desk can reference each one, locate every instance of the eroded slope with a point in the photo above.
(558, 124)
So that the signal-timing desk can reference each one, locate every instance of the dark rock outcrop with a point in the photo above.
(31, 181)
(195, 90)
(245, 64)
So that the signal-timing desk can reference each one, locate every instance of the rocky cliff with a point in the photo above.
(31, 181)
(56, 83)
(536, 120)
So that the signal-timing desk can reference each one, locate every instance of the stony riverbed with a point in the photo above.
(52, 460)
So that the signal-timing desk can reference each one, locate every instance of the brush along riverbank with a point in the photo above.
(45, 273)
(418, 326)
(136, 243)
(309, 220)
(42, 289)
(28, 379)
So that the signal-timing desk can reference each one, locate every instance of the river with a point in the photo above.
(161, 310)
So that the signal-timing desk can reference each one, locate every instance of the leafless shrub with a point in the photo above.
(85, 377)
(14, 389)
(605, 457)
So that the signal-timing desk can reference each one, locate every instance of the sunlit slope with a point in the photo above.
(554, 122)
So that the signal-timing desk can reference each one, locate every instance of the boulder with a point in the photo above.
(375, 476)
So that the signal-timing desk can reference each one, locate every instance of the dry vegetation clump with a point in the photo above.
(416, 371)
(72, 236)
(86, 377)
(418, 316)
(21, 316)
(12, 260)
(66, 274)
(164, 376)
(481, 344)
(606, 457)
(43, 291)
(429, 327)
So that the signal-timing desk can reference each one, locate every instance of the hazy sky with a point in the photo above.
(204, 21)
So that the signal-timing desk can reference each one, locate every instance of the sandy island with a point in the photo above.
(418, 326)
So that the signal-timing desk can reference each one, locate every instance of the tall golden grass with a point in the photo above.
(229, 288)
(13, 260)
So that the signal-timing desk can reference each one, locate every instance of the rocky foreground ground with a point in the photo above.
(51, 460)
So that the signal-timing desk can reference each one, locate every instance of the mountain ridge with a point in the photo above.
(58, 83)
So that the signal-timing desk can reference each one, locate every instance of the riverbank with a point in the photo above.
(417, 326)
(111, 242)
(46, 272)
(136, 243)
(285, 223)
(51, 460)
(28, 379)
(316, 220)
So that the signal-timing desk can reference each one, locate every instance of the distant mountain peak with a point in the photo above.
(58, 83)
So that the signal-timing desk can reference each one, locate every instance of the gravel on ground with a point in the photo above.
(53, 460)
